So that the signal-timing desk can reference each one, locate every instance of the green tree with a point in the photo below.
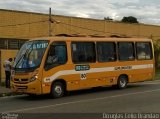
(129, 19)
(108, 19)
(156, 44)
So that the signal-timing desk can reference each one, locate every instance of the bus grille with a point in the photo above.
(21, 81)
(21, 87)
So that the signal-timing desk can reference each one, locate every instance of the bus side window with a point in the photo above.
(57, 55)
(106, 51)
(52, 58)
(83, 52)
(126, 51)
(144, 51)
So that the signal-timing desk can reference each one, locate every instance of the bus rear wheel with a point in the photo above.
(122, 82)
(57, 90)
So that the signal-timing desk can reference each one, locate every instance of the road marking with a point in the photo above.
(148, 82)
(138, 83)
(81, 101)
(151, 83)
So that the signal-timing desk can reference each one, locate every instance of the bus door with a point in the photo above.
(54, 64)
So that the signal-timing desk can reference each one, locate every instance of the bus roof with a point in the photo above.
(90, 39)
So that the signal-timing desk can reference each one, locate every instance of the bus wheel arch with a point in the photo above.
(122, 81)
(58, 88)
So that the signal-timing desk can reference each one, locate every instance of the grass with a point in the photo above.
(157, 76)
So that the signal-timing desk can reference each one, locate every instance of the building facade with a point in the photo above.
(16, 27)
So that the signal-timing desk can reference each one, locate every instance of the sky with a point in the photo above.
(146, 11)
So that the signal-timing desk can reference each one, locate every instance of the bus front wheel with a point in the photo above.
(122, 82)
(57, 90)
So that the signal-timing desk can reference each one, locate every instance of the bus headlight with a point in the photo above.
(34, 78)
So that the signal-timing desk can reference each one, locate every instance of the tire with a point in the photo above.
(57, 90)
(122, 82)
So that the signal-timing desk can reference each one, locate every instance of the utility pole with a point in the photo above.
(50, 23)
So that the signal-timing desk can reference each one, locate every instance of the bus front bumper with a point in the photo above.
(29, 88)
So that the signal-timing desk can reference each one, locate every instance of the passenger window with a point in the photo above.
(126, 51)
(106, 51)
(83, 52)
(144, 51)
(57, 55)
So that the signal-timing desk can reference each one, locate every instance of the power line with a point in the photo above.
(92, 29)
(23, 23)
(54, 21)
(105, 31)
(82, 27)
(70, 29)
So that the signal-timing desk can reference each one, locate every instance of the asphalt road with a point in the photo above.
(96, 103)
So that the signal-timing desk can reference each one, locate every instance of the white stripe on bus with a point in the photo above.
(94, 70)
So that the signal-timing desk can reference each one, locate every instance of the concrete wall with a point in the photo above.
(8, 19)
(15, 24)
(24, 25)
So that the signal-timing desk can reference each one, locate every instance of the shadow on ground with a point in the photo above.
(79, 92)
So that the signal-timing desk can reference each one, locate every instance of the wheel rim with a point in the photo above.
(58, 90)
(123, 82)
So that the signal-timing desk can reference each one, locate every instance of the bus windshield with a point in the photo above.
(30, 55)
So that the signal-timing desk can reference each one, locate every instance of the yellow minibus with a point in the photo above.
(54, 65)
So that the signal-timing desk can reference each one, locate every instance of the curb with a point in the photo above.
(7, 94)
